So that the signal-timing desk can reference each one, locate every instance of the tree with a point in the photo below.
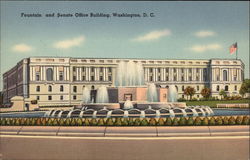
(245, 87)
(223, 93)
(189, 91)
(205, 92)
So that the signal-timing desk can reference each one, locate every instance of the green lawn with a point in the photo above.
(213, 103)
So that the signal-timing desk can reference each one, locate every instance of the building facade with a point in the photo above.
(60, 81)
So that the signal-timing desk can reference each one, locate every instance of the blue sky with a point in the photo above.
(179, 30)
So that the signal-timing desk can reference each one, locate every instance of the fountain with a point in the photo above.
(86, 95)
(152, 93)
(102, 95)
(172, 93)
(128, 105)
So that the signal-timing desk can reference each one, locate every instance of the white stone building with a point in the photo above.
(60, 80)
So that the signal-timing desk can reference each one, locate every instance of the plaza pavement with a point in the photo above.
(103, 131)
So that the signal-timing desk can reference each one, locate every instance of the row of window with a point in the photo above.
(92, 78)
(226, 88)
(61, 88)
(92, 69)
(50, 97)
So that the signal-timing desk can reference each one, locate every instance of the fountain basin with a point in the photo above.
(98, 106)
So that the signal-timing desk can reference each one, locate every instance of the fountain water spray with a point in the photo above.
(102, 95)
(172, 93)
(152, 93)
(86, 95)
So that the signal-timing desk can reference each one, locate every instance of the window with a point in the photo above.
(198, 96)
(224, 75)
(61, 76)
(218, 88)
(83, 78)
(92, 87)
(190, 78)
(74, 78)
(74, 69)
(175, 78)
(74, 97)
(183, 88)
(182, 78)
(167, 79)
(50, 98)
(49, 74)
(110, 69)
(183, 96)
(198, 88)
(92, 69)
(167, 70)
(205, 75)
(218, 78)
(83, 69)
(235, 78)
(37, 97)
(50, 88)
(101, 69)
(159, 78)
(182, 70)
(38, 88)
(226, 88)
(37, 76)
(174, 70)
(61, 97)
(150, 70)
(110, 78)
(74, 88)
(61, 88)
(159, 70)
(101, 78)
(235, 88)
(151, 78)
(92, 78)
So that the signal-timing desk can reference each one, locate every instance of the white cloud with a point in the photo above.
(21, 48)
(203, 48)
(154, 35)
(205, 33)
(66, 44)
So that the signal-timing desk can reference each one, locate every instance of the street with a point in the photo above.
(111, 148)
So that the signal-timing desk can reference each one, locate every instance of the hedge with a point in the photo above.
(176, 121)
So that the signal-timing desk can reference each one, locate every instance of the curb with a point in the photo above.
(153, 131)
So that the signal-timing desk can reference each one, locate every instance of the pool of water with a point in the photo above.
(37, 114)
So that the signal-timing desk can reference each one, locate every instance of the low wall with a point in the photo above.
(241, 105)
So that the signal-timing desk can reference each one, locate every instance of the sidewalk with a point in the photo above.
(159, 131)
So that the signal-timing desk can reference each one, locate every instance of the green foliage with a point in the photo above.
(239, 120)
(125, 122)
(152, 122)
(130, 122)
(197, 121)
(55, 122)
(93, 122)
(144, 122)
(182, 121)
(67, 122)
(219, 121)
(137, 122)
(225, 121)
(86, 122)
(61, 122)
(118, 122)
(23, 121)
(168, 122)
(160, 122)
(211, 122)
(232, 121)
(190, 121)
(109, 122)
(223, 93)
(245, 120)
(101, 122)
(205, 92)
(17, 122)
(175, 122)
(245, 87)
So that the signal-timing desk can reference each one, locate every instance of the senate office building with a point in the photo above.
(61, 80)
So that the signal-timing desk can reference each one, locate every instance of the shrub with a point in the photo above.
(160, 122)
(101, 122)
(225, 121)
(109, 122)
(245, 120)
(55, 122)
(168, 122)
(181, 100)
(218, 121)
(144, 122)
(130, 122)
(125, 122)
(67, 122)
(23, 121)
(211, 121)
(118, 122)
(137, 122)
(86, 122)
(190, 121)
(239, 120)
(152, 122)
(175, 122)
(194, 99)
(197, 121)
(182, 121)
(17, 122)
(61, 122)
(93, 122)
(231, 121)
(33, 121)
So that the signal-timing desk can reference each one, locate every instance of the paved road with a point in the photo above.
(110, 148)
